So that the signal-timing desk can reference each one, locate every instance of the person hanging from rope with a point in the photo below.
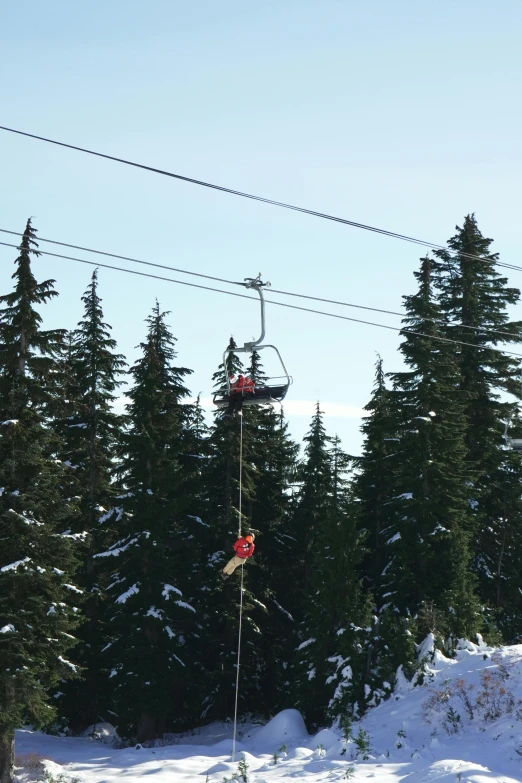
(239, 389)
(244, 548)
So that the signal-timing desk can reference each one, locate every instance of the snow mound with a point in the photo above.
(326, 738)
(103, 732)
(300, 753)
(222, 767)
(285, 726)
(226, 745)
(229, 768)
(451, 770)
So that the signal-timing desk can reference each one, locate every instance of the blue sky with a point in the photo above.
(404, 115)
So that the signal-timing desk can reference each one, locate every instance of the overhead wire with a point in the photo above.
(123, 258)
(234, 282)
(251, 196)
(401, 330)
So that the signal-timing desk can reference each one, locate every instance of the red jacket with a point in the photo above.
(243, 549)
(239, 383)
(243, 384)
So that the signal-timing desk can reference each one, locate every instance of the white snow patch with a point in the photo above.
(305, 644)
(67, 663)
(103, 732)
(74, 589)
(185, 605)
(15, 565)
(167, 589)
(134, 590)
(198, 519)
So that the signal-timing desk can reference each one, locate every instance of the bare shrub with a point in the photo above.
(494, 699)
(444, 702)
(32, 762)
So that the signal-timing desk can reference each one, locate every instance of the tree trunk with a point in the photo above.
(22, 354)
(149, 727)
(7, 743)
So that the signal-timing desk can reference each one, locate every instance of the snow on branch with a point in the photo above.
(305, 644)
(116, 550)
(167, 589)
(184, 605)
(134, 590)
(16, 564)
(67, 663)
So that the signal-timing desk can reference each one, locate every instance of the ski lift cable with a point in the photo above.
(253, 197)
(233, 282)
(122, 258)
(399, 329)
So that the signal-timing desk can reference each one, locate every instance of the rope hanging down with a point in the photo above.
(241, 587)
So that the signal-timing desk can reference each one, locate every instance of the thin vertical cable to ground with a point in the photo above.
(241, 587)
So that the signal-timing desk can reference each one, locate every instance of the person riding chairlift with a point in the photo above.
(239, 389)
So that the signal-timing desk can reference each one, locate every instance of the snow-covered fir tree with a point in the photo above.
(374, 482)
(221, 612)
(152, 623)
(429, 539)
(329, 667)
(38, 597)
(272, 454)
(475, 299)
(90, 433)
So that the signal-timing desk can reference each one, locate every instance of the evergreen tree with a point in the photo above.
(90, 433)
(374, 484)
(37, 596)
(475, 298)
(221, 613)
(428, 542)
(152, 621)
(272, 455)
(314, 478)
(267, 632)
(330, 665)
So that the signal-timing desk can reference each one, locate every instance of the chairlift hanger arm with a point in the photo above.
(257, 284)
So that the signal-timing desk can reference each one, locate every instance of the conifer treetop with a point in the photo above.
(25, 346)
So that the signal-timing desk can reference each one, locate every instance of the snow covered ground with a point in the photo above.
(462, 725)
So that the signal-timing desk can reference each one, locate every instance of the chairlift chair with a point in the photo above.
(514, 444)
(276, 387)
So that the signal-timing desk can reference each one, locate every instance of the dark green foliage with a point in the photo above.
(267, 466)
(374, 484)
(332, 603)
(428, 542)
(357, 558)
(152, 622)
(272, 455)
(89, 430)
(38, 597)
(90, 433)
(25, 349)
(475, 298)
